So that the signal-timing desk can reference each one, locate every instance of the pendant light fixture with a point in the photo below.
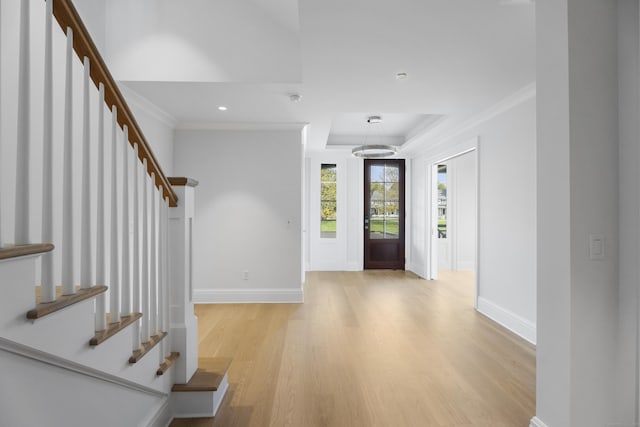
(373, 151)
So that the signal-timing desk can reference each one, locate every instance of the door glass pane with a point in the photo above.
(384, 199)
(377, 173)
(328, 203)
(392, 225)
(377, 191)
(391, 173)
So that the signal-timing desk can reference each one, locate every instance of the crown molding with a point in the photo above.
(416, 145)
(240, 126)
(135, 99)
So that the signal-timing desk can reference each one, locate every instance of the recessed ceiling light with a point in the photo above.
(222, 108)
(401, 76)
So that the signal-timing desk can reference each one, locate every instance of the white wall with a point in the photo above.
(507, 218)
(202, 41)
(578, 159)
(345, 251)
(629, 158)
(92, 13)
(248, 213)
(66, 398)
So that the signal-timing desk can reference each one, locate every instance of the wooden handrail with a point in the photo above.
(67, 16)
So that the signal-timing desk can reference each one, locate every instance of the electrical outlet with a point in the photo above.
(245, 275)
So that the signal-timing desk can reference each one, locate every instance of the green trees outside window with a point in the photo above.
(328, 200)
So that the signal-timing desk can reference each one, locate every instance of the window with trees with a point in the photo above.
(384, 202)
(328, 202)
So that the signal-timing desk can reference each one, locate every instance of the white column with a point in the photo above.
(144, 277)
(47, 285)
(67, 178)
(153, 273)
(184, 324)
(114, 288)
(136, 246)
(101, 309)
(86, 279)
(22, 150)
(126, 277)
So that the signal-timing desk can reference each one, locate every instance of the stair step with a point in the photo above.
(208, 376)
(192, 422)
(62, 301)
(169, 361)
(201, 397)
(15, 251)
(113, 328)
(146, 347)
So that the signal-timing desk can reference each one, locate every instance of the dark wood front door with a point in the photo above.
(384, 214)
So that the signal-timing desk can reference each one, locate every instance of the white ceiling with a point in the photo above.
(461, 56)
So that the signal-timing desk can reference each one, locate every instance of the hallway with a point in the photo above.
(374, 348)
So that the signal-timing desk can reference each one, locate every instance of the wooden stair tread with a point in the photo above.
(113, 328)
(192, 422)
(14, 251)
(146, 347)
(63, 301)
(169, 361)
(208, 376)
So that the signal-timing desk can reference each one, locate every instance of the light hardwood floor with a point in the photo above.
(375, 348)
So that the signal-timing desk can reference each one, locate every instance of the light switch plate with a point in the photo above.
(596, 246)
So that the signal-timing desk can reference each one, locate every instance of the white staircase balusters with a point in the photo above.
(114, 287)
(86, 267)
(47, 284)
(101, 309)
(161, 296)
(125, 282)
(136, 246)
(137, 277)
(153, 274)
(144, 324)
(163, 305)
(22, 152)
(67, 178)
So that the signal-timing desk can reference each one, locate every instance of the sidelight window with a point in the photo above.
(328, 202)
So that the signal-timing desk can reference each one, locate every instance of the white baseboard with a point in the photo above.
(161, 416)
(516, 324)
(354, 266)
(238, 296)
(466, 265)
(418, 269)
(536, 422)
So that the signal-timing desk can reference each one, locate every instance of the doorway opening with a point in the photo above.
(454, 215)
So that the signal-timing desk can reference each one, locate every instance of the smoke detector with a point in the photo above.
(374, 119)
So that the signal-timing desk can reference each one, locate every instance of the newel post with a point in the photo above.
(184, 323)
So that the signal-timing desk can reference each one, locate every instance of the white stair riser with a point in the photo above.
(195, 404)
(66, 333)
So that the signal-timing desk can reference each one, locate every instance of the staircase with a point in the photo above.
(96, 323)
